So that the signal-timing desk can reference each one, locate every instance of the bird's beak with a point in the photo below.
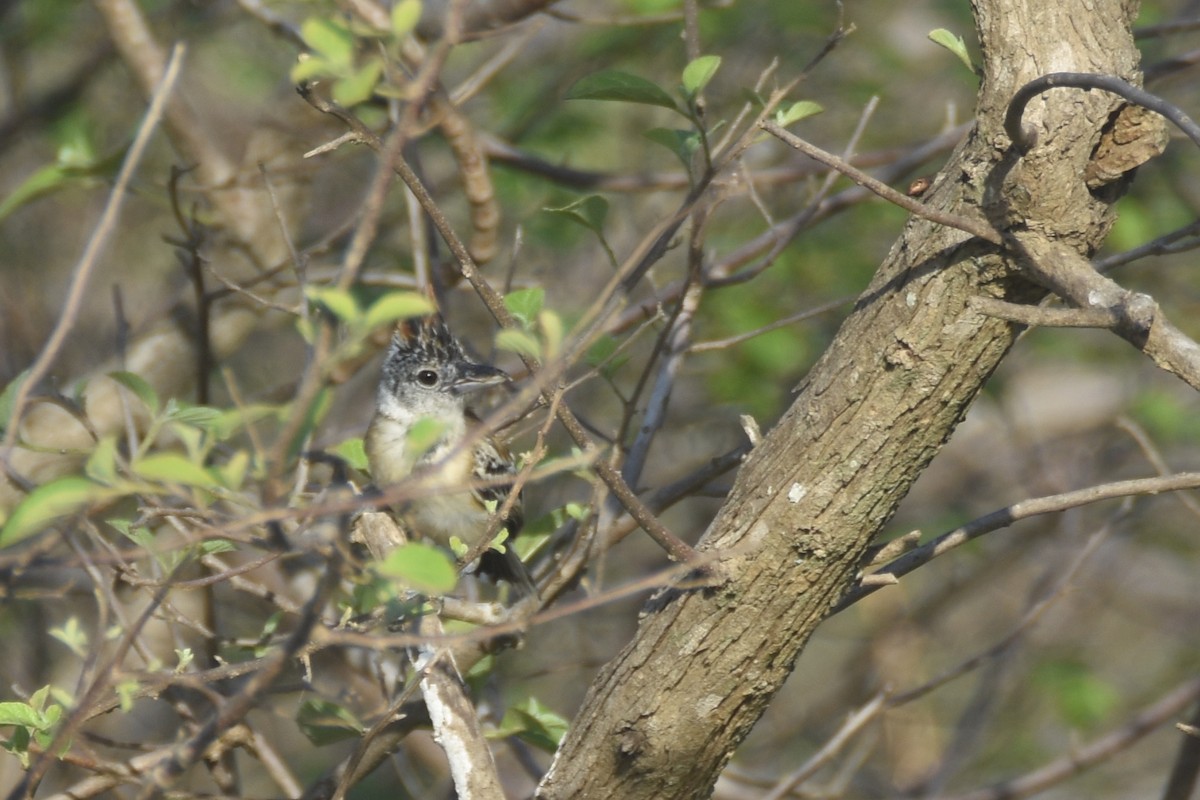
(477, 376)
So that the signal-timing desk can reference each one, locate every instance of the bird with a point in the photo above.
(427, 375)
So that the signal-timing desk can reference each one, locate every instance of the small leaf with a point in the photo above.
(308, 67)
(423, 435)
(683, 143)
(72, 635)
(590, 212)
(611, 84)
(796, 112)
(421, 566)
(534, 723)
(953, 43)
(332, 41)
(525, 304)
(204, 417)
(140, 387)
(699, 72)
(233, 420)
(352, 452)
(47, 503)
(127, 691)
(304, 326)
(358, 86)
(173, 468)
(44, 181)
(339, 302)
(405, 16)
(397, 305)
(520, 342)
(232, 474)
(101, 465)
(552, 331)
(12, 713)
(8, 397)
(325, 722)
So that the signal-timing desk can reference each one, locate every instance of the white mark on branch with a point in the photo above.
(707, 704)
(796, 493)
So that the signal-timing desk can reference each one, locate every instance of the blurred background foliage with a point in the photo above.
(1068, 409)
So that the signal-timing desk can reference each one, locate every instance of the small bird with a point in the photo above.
(427, 375)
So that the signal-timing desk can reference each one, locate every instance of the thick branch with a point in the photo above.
(663, 718)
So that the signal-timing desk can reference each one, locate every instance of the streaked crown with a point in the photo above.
(427, 368)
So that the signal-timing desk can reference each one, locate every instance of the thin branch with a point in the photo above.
(1002, 518)
(1044, 316)
(91, 255)
(975, 227)
(850, 728)
(1139, 320)
(1098, 751)
(1086, 80)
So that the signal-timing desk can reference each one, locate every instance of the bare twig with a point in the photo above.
(1086, 80)
(91, 255)
(975, 227)
(1139, 320)
(1044, 316)
(836, 743)
(1024, 509)
(1082, 757)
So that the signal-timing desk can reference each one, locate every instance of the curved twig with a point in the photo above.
(1087, 81)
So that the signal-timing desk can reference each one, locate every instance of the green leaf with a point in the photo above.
(534, 723)
(683, 143)
(308, 66)
(12, 713)
(423, 435)
(231, 421)
(552, 331)
(72, 635)
(333, 41)
(954, 44)
(140, 387)
(47, 503)
(611, 84)
(173, 468)
(232, 474)
(524, 304)
(590, 212)
(205, 417)
(8, 397)
(353, 452)
(397, 305)
(338, 302)
(304, 326)
(1084, 700)
(521, 342)
(127, 691)
(325, 722)
(359, 85)
(42, 182)
(405, 16)
(101, 465)
(76, 165)
(796, 112)
(313, 414)
(421, 566)
(699, 72)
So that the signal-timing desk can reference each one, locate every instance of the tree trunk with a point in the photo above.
(663, 718)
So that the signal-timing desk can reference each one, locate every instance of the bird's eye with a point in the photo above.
(427, 377)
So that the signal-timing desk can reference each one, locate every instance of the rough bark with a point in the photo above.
(663, 718)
